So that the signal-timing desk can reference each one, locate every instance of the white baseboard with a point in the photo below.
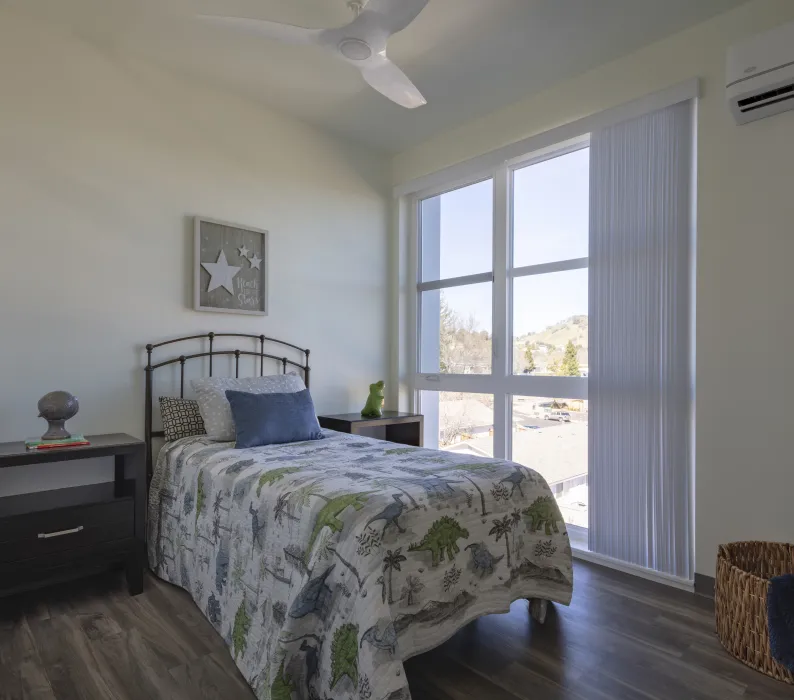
(635, 570)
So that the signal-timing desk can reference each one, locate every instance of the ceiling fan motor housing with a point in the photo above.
(355, 49)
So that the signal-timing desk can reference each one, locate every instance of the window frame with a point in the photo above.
(501, 382)
(448, 282)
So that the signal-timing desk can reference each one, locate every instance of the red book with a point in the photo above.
(63, 446)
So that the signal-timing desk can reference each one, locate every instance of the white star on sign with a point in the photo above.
(255, 260)
(222, 274)
(243, 251)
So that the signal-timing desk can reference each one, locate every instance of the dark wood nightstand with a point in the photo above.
(404, 428)
(49, 536)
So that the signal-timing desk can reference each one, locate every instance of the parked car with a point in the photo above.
(558, 415)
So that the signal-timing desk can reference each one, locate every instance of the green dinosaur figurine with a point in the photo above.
(441, 539)
(374, 407)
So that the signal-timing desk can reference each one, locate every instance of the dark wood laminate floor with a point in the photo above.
(621, 638)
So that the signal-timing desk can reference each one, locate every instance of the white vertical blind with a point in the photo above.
(640, 385)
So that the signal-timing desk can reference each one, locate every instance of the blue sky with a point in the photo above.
(550, 224)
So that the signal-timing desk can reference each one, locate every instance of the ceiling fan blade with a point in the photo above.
(389, 80)
(394, 15)
(285, 33)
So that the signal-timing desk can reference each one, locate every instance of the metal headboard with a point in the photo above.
(211, 353)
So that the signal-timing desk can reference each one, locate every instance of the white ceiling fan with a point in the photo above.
(361, 43)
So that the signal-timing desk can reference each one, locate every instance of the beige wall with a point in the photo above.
(102, 162)
(745, 282)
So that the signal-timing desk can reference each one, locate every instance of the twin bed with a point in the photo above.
(326, 564)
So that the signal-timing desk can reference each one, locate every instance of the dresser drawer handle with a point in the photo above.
(60, 533)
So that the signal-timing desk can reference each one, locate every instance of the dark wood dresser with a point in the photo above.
(53, 535)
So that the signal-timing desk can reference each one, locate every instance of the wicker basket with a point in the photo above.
(743, 573)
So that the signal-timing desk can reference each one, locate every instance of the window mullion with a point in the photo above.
(409, 211)
(455, 282)
(547, 268)
(501, 329)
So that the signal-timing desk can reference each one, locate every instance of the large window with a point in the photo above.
(457, 235)
(459, 422)
(550, 324)
(550, 210)
(550, 435)
(456, 280)
(502, 313)
(456, 324)
(546, 285)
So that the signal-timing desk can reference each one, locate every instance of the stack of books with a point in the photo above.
(39, 444)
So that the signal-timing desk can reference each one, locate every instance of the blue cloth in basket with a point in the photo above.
(780, 615)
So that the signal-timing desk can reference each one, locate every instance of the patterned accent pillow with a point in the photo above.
(214, 406)
(181, 418)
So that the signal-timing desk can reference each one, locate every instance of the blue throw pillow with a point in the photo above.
(273, 419)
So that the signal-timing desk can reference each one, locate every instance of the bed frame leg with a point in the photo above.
(538, 607)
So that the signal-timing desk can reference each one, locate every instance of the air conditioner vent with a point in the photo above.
(790, 98)
(769, 97)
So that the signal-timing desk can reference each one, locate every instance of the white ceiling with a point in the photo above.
(468, 57)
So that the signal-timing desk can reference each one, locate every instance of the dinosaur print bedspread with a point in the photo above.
(324, 565)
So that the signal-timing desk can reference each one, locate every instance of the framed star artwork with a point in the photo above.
(230, 268)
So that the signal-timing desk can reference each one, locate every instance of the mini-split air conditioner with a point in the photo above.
(760, 75)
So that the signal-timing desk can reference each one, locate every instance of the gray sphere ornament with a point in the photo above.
(56, 408)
